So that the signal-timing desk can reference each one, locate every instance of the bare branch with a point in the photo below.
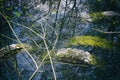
(105, 31)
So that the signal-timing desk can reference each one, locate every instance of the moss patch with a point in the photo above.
(90, 41)
(96, 16)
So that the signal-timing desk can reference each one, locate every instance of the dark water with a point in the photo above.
(80, 18)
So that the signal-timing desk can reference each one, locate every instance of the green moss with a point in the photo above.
(26, 46)
(13, 49)
(95, 61)
(17, 14)
(89, 41)
(71, 57)
(68, 56)
(47, 60)
(96, 16)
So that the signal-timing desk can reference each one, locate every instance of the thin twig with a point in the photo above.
(105, 31)
(20, 41)
(8, 37)
(48, 51)
(16, 68)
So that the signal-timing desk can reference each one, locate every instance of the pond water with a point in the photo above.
(87, 40)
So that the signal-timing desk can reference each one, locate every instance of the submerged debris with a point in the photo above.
(73, 55)
(11, 50)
